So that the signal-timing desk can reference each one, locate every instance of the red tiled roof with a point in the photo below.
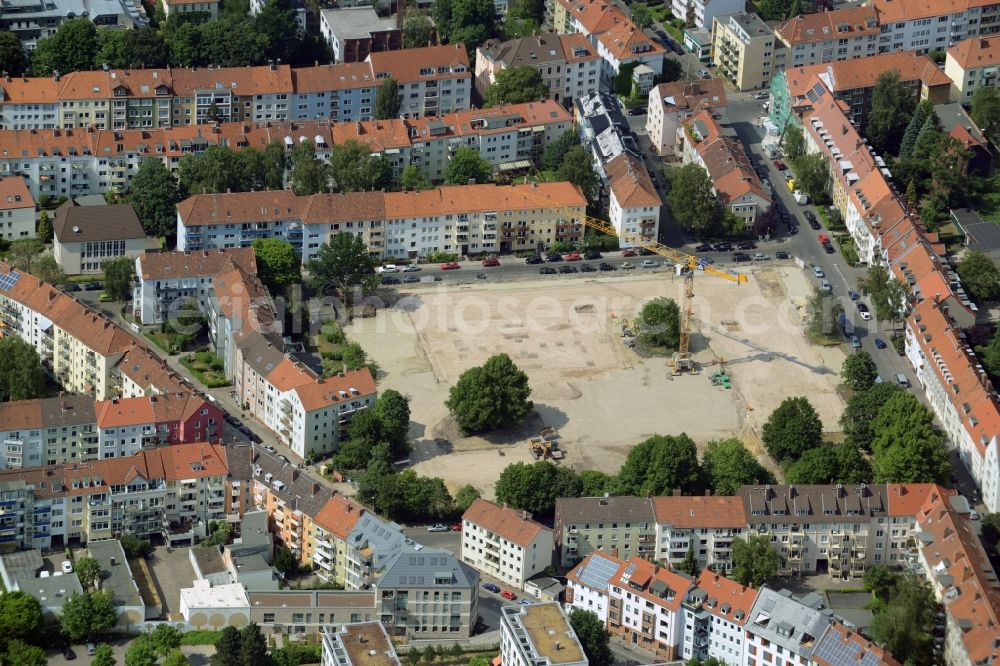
(339, 515)
(514, 525)
(727, 593)
(14, 194)
(846, 23)
(905, 499)
(976, 52)
(124, 412)
(644, 573)
(698, 511)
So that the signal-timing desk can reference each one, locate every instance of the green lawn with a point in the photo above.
(200, 637)
(207, 368)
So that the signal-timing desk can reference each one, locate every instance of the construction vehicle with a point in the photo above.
(545, 450)
(720, 378)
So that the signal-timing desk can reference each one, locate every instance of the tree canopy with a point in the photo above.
(578, 169)
(21, 374)
(118, 277)
(153, 194)
(755, 561)
(12, 58)
(903, 617)
(355, 169)
(535, 487)
(727, 465)
(517, 85)
(467, 165)
(661, 465)
(892, 104)
(342, 263)
(980, 276)
(660, 323)
(306, 173)
(418, 31)
(986, 109)
(859, 371)
(491, 396)
(20, 616)
(792, 429)
(87, 614)
(277, 263)
(387, 100)
(593, 635)
(692, 200)
(906, 445)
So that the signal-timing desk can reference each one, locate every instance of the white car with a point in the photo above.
(67, 566)
(437, 527)
(412, 268)
(866, 315)
(818, 272)
(648, 263)
(973, 514)
(762, 95)
(390, 268)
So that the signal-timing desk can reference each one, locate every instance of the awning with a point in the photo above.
(515, 166)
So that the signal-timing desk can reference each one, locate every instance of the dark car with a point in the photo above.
(704, 247)
(637, 111)
(567, 269)
(747, 245)
(723, 247)
(546, 270)
(662, 34)
(676, 48)
(880, 343)
(390, 280)
(490, 587)
(553, 258)
(811, 216)
(643, 252)
(587, 268)
(534, 259)
(792, 230)
(72, 286)
(829, 248)
(781, 254)
(68, 653)
(741, 256)
(591, 254)
(93, 286)
(606, 267)
(862, 307)
(814, 223)
(410, 279)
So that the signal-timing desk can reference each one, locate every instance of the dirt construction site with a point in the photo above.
(586, 381)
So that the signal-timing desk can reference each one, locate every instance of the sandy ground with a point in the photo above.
(604, 398)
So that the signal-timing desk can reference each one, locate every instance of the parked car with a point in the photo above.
(68, 654)
(823, 238)
(573, 256)
(72, 286)
(490, 587)
(410, 279)
(546, 270)
(814, 223)
(270, 449)
(389, 268)
(628, 253)
(283, 459)
(826, 286)
(637, 111)
(865, 313)
(855, 342)
(853, 295)
(723, 247)
(587, 268)
(648, 263)
(829, 248)
(746, 245)
(811, 216)
(792, 230)
(706, 260)
(508, 595)
(591, 254)
(491, 262)
(741, 257)
(534, 259)
(781, 254)
(880, 343)
(761, 95)
(91, 649)
(973, 514)
(93, 286)
(703, 73)
(704, 247)
(390, 280)
(437, 527)
(566, 269)
(450, 266)
(105, 297)
(457, 527)
(779, 165)
(412, 268)
(761, 256)
(553, 258)
(605, 267)
(67, 567)
(902, 380)
(627, 265)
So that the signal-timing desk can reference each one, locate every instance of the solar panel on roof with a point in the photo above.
(8, 280)
(598, 572)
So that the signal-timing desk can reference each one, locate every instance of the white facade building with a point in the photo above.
(587, 584)
(538, 635)
(17, 210)
(505, 543)
(705, 11)
(634, 204)
(715, 613)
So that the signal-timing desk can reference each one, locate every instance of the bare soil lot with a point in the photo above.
(604, 398)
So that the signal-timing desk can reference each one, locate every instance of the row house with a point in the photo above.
(167, 490)
(570, 65)
(705, 525)
(128, 425)
(783, 629)
(716, 610)
(620, 526)
(603, 129)
(933, 26)
(47, 431)
(702, 141)
(972, 64)
(670, 104)
(841, 34)
(633, 201)
(644, 607)
(354, 32)
(17, 209)
(505, 543)
(432, 80)
(465, 219)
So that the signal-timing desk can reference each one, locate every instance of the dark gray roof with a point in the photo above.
(416, 566)
(983, 236)
(299, 489)
(384, 538)
(260, 353)
(238, 461)
(68, 410)
(596, 509)
(77, 224)
(781, 618)
(117, 575)
(21, 571)
(535, 50)
(208, 559)
(809, 504)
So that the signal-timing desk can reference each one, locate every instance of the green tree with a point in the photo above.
(535, 487)
(70, 49)
(692, 200)
(727, 465)
(979, 276)
(901, 624)
(20, 616)
(104, 656)
(387, 100)
(754, 560)
(467, 165)
(21, 374)
(89, 571)
(465, 496)
(792, 429)
(392, 410)
(880, 581)
(141, 652)
(175, 658)
(491, 396)
(917, 120)
(596, 483)
(778, 10)
(556, 151)
(641, 15)
(118, 277)
(673, 70)
(273, 164)
(24, 252)
(278, 23)
(133, 546)
(277, 263)
(813, 176)
(468, 22)
(859, 371)
(285, 562)
(689, 564)
(418, 31)
(888, 296)
(986, 109)
(87, 614)
(793, 143)
(593, 635)
(44, 232)
(165, 637)
(227, 648)
(660, 323)
(661, 465)
(816, 466)
(253, 646)
(12, 58)
(852, 466)
(355, 169)
(307, 174)
(516, 85)
(19, 653)
(892, 104)
(907, 447)
(990, 530)
(412, 178)
(343, 263)
(47, 270)
(578, 169)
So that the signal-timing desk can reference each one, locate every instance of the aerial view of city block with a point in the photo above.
(500, 332)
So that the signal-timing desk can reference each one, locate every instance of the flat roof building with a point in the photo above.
(362, 644)
(538, 635)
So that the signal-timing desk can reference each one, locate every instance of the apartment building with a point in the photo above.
(841, 34)
(587, 583)
(180, 486)
(17, 210)
(703, 141)
(466, 219)
(703, 12)
(603, 129)
(927, 25)
(716, 610)
(706, 525)
(505, 543)
(538, 634)
(33, 19)
(743, 48)
(569, 64)
(785, 628)
(840, 641)
(633, 202)
(210, 7)
(433, 80)
(333, 526)
(84, 237)
(355, 32)
(972, 64)
(620, 526)
(362, 644)
(47, 431)
(128, 425)
(645, 607)
(670, 104)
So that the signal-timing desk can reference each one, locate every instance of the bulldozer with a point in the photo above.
(545, 450)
